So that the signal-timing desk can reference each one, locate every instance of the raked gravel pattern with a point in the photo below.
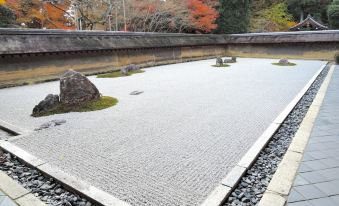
(255, 182)
(170, 145)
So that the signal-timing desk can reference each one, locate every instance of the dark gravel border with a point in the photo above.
(45, 188)
(254, 183)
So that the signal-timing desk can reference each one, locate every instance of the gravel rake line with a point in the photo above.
(254, 183)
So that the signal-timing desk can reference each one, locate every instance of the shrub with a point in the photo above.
(7, 17)
(336, 58)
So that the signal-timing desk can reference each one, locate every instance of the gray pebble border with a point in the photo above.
(254, 183)
(45, 188)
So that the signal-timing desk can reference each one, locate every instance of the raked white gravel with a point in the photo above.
(170, 145)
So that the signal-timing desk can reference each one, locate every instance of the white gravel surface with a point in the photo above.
(170, 145)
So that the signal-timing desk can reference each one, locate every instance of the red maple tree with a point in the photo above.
(202, 15)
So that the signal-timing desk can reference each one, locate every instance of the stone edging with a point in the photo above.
(20, 195)
(14, 130)
(224, 189)
(282, 181)
(70, 183)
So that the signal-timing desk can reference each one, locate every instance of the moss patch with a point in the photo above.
(224, 65)
(103, 103)
(284, 65)
(118, 74)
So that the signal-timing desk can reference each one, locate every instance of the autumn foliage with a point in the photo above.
(189, 16)
(39, 14)
(202, 16)
(55, 17)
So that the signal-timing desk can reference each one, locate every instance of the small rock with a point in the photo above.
(124, 71)
(48, 104)
(136, 92)
(58, 122)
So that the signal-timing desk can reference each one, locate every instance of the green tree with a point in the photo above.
(234, 16)
(274, 18)
(333, 14)
(7, 17)
(301, 8)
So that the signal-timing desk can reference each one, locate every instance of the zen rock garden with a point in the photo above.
(162, 134)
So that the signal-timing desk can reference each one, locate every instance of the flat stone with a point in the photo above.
(29, 200)
(136, 92)
(270, 199)
(283, 179)
(217, 196)
(234, 176)
(6, 201)
(10, 187)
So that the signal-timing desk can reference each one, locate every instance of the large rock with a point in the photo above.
(283, 61)
(232, 60)
(76, 89)
(219, 62)
(129, 68)
(46, 105)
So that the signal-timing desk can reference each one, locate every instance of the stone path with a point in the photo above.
(5, 200)
(171, 145)
(317, 182)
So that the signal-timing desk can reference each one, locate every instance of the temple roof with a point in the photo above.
(308, 24)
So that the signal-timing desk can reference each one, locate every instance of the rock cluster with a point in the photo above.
(219, 62)
(231, 60)
(254, 183)
(125, 70)
(47, 189)
(75, 89)
(49, 124)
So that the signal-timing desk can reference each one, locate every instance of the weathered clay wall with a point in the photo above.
(28, 56)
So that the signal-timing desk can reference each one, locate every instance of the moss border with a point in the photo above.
(224, 65)
(290, 64)
(103, 103)
(116, 74)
